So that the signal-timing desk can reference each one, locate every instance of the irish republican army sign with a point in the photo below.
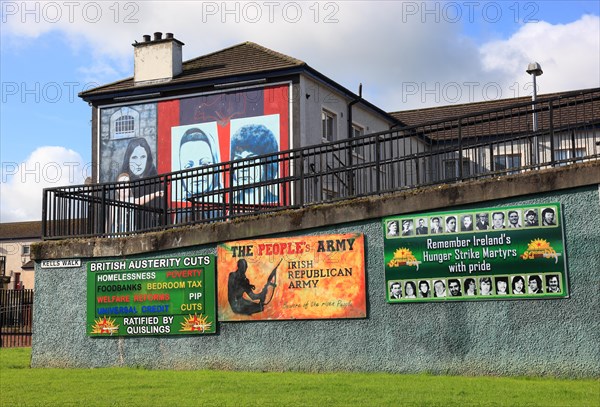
(477, 254)
(304, 277)
(151, 296)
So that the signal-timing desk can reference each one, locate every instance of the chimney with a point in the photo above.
(157, 59)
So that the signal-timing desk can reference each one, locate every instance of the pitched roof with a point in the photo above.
(243, 59)
(504, 116)
(21, 230)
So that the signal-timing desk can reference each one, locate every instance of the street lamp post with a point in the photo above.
(535, 69)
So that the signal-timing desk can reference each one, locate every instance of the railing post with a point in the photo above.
(301, 186)
(350, 173)
(377, 164)
(44, 212)
(573, 153)
(102, 219)
(231, 165)
(166, 198)
(551, 118)
(460, 151)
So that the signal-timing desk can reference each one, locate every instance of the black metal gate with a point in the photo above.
(15, 318)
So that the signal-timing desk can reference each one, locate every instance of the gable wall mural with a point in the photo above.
(143, 140)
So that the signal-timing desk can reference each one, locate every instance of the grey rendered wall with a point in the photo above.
(534, 337)
(325, 97)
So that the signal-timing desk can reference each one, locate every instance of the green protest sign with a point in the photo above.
(151, 296)
(478, 254)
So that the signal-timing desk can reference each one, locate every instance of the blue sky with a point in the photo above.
(399, 51)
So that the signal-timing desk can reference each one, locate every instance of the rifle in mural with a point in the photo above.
(271, 283)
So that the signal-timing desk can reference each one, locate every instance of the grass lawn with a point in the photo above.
(23, 386)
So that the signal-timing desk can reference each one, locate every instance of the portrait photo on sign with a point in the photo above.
(253, 137)
(195, 146)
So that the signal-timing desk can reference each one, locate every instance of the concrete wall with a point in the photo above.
(535, 337)
(326, 97)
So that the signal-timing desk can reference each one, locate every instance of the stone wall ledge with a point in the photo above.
(354, 210)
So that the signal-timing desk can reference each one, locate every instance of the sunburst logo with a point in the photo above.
(540, 248)
(404, 257)
(104, 326)
(195, 324)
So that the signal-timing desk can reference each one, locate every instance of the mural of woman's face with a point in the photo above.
(196, 154)
(138, 160)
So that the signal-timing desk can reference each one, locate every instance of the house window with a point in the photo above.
(328, 120)
(25, 250)
(2, 265)
(566, 153)
(451, 168)
(507, 161)
(357, 131)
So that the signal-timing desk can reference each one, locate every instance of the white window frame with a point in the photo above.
(357, 131)
(466, 163)
(328, 115)
(504, 163)
(580, 152)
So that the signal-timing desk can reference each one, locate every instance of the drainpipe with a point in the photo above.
(350, 137)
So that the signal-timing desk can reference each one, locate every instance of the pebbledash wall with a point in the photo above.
(557, 337)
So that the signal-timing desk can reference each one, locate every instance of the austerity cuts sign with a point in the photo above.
(304, 277)
(478, 254)
(151, 296)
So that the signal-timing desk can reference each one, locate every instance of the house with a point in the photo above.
(247, 130)
(499, 135)
(222, 98)
(16, 266)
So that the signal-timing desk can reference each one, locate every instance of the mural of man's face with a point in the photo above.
(196, 154)
(137, 161)
(249, 173)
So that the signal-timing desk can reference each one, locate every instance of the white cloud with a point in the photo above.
(403, 63)
(404, 60)
(22, 183)
(568, 53)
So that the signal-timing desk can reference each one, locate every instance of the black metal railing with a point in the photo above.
(473, 146)
(16, 318)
